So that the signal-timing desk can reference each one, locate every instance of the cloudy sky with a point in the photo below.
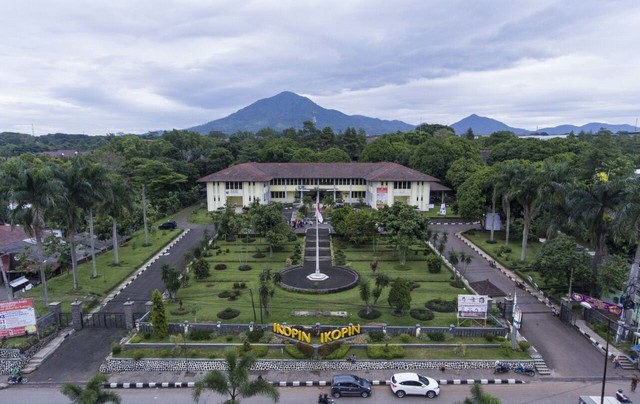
(134, 66)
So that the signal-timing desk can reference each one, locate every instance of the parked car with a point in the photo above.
(350, 385)
(403, 384)
(168, 226)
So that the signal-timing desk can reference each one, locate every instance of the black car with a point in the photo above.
(350, 385)
(168, 226)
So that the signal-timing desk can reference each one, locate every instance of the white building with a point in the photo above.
(375, 184)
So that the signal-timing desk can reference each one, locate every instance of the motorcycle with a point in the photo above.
(325, 399)
(527, 370)
(502, 368)
(17, 379)
(621, 397)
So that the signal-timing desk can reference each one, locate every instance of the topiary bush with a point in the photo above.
(421, 314)
(362, 313)
(441, 306)
(199, 334)
(116, 349)
(436, 336)
(434, 264)
(405, 338)
(245, 267)
(224, 294)
(220, 267)
(524, 345)
(228, 313)
(258, 255)
(255, 335)
(376, 336)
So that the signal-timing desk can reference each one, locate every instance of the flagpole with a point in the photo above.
(317, 238)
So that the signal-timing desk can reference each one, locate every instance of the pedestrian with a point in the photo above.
(634, 382)
(616, 362)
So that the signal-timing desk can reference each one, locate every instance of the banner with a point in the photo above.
(472, 306)
(381, 197)
(610, 308)
(17, 318)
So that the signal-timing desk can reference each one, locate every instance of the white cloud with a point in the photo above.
(85, 67)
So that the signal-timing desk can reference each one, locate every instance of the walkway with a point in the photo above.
(566, 352)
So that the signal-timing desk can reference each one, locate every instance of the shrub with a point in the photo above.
(436, 336)
(229, 338)
(199, 334)
(441, 306)
(457, 283)
(400, 267)
(220, 267)
(236, 285)
(116, 349)
(489, 337)
(137, 355)
(362, 313)
(200, 268)
(339, 353)
(421, 314)
(328, 349)
(245, 267)
(405, 338)
(228, 313)
(376, 336)
(294, 352)
(524, 345)
(136, 339)
(255, 335)
(260, 351)
(434, 264)
(385, 351)
(460, 350)
(243, 285)
(224, 294)
(258, 255)
(146, 335)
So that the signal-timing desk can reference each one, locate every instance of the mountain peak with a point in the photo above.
(289, 110)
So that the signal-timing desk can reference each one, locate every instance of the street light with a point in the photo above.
(606, 351)
(184, 343)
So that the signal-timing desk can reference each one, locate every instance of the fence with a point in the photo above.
(234, 329)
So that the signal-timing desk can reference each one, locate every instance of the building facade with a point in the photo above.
(374, 184)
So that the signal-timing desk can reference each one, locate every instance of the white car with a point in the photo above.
(403, 384)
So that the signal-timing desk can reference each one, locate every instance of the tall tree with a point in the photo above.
(96, 176)
(93, 393)
(72, 198)
(158, 315)
(268, 281)
(525, 186)
(171, 279)
(118, 200)
(235, 381)
(399, 296)
(405, 225)
(32, 191)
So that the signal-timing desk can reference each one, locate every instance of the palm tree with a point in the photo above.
(118, 200)
(268, 282)
(72, 197)
(505, 174)
(92, 394)
(526, 185)
(96, 176)
(32, 191)
(595, 205)
(235, 381)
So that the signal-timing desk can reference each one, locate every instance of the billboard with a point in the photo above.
(17, 318)
(473, 306)
(381, 196)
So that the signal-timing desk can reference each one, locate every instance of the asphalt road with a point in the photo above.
(567, 353)
(534, 393)
(79, 357)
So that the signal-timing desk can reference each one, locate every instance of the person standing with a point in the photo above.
(634, 382)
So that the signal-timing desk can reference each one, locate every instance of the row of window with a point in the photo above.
(318, 181)
(354, 194)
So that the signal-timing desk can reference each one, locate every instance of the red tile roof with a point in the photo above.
(9, 236)
(267, 171)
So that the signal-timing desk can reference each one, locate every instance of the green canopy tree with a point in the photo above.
(405, 225)
(268, 281)
(158, 315)
(171, 279)
(32, 190)
(117, 202)
(93, 393)
(234, 382)
(399, 296)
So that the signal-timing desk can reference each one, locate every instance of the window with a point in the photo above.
(358, 194)
(233, 185)
(402, 185)
(277, 195)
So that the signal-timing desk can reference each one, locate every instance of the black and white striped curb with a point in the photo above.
(591, 339)
(438, 223)
(307, 383)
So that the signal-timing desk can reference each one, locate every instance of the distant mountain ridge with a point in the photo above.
(485, 126)
(287, 110)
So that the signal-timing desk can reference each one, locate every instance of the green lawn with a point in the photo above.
(202, 302)
(132, 255)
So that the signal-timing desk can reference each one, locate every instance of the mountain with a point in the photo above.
(484, 126)
(288, 109)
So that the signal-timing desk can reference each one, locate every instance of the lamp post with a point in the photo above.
(606, 351)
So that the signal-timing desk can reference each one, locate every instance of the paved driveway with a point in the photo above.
(566, 353)
(80, 356)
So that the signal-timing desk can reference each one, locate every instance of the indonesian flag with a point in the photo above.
(318, 214)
